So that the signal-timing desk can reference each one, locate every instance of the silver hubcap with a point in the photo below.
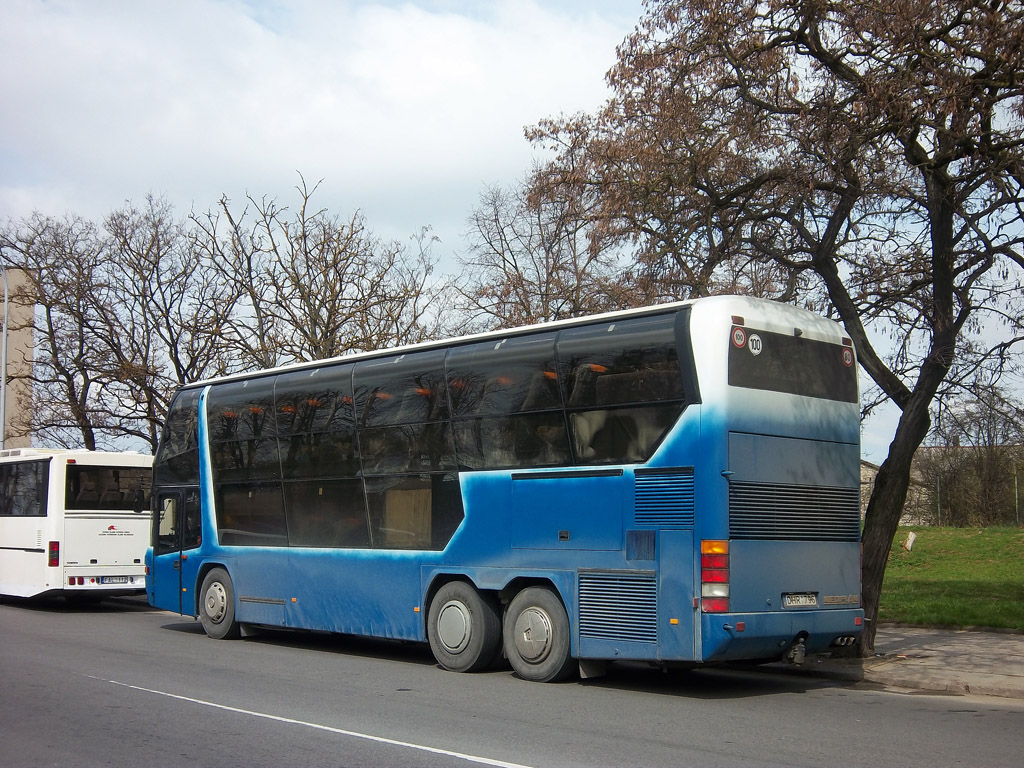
(533, 635)
(216, 602)
(454, 626)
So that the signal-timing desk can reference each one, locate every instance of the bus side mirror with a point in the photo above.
(139, 500)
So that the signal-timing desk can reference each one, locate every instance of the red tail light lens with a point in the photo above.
(714, 561)
(53, 554)
(714, 604)
(714, 576)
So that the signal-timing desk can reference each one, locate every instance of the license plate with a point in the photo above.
(114, 580)
(800, 600)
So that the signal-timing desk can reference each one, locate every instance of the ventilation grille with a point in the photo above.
(619, 606)
(793, 512)
(664, 497)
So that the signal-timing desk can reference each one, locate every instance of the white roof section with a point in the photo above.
(79, 456)
(741, 302)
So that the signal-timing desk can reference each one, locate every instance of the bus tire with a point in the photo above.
(464, 628)
(217, 606)
(537, 636)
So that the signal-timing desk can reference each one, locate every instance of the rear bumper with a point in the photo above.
(128, 580)
(768, 635)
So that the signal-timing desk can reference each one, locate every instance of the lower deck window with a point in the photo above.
(326, 513)
(251, 515)
(414, 512)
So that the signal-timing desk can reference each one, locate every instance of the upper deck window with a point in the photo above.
(792, 364)
(626, 362)
(504, 376)
(316, 423)
(404, 389)
(623, 387)
(243, 430)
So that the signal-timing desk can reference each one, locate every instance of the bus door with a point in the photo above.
(177, 531)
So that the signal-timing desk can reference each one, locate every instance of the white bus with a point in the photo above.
(74, 523)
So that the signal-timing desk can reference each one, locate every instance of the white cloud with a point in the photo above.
(405, 109)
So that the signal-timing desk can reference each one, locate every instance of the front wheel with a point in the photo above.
(537, 636)
(217, 606)
(464, 628)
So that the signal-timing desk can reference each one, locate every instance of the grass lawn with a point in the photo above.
(956, 577)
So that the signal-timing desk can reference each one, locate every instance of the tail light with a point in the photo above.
(53, 554)
(714, 576)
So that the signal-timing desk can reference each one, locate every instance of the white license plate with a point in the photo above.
(114, 580)
(800, 600)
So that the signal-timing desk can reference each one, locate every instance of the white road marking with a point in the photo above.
(318, 726)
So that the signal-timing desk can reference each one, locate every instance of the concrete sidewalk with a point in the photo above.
(935, 660)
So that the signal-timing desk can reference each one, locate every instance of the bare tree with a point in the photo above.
(62, 260)
(863, 158)
(165, 313)
(534, 256)
(312, 285)
(122, 317)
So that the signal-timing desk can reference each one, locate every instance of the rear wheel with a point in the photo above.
(217, 606)
(537, 636)
(464, 628)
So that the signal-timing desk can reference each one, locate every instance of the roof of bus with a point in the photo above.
(496, 334)
(128, 458)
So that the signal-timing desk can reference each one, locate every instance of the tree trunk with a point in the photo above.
(885, 508)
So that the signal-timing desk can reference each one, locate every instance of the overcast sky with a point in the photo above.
(406, 110)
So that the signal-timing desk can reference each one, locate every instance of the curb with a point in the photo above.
(897, 672)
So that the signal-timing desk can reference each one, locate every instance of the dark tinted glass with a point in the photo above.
(407, 448)
(328, 454)
(405, 389)
(245, 460)
(241, 410)
(792, 364)
(177, 457)
(414, 512)
(23, 488)
(504, 376)
(251, 514)
(621, 435)
(326, 513)
(315, 401)
(522, 440)
(628, 361)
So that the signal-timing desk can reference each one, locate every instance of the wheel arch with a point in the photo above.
(204, 569)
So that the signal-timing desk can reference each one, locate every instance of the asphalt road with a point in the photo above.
(122, 685)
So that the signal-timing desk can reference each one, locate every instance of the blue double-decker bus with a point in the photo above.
(677, 484)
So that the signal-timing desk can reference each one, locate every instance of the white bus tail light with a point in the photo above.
(53, 555)
(714, 576)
